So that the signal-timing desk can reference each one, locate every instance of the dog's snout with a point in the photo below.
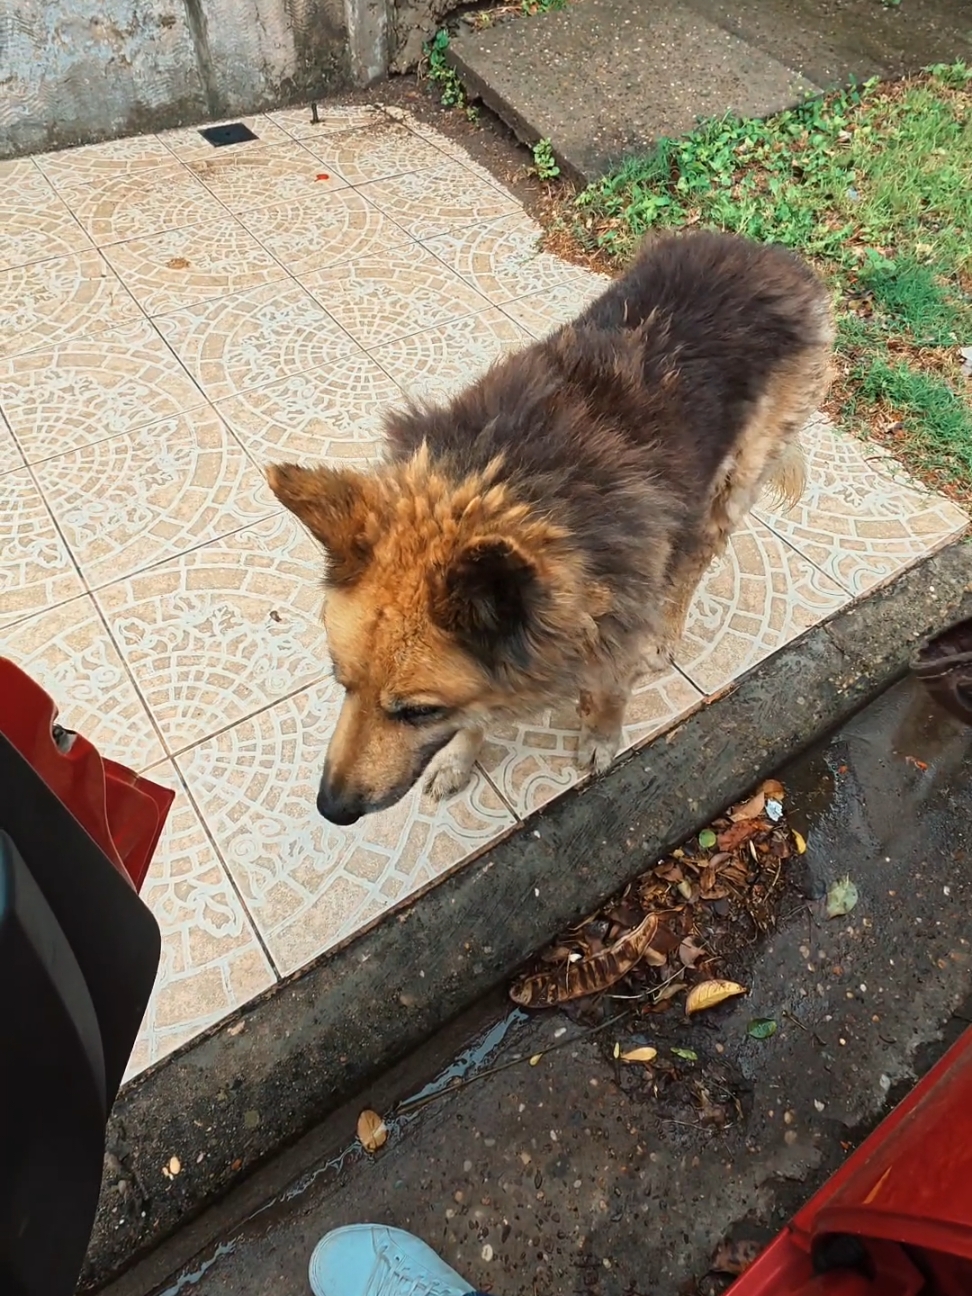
(337, 803)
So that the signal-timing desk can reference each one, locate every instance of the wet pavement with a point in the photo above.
(571, 1175)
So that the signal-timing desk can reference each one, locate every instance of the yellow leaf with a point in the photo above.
(617, 1050)
(372, 1131)
(799, 843)
(709, 993)
(639, 1055)
(535, 1059)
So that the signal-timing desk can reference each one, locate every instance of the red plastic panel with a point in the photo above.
(909, 1184)
(121, 811)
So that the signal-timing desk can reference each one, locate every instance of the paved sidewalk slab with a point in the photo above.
(602, 78)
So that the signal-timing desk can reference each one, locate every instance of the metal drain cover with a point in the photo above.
(234, 133)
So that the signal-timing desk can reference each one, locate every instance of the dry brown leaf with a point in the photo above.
(709, 993)
(735, 1257)
(669, 873)
(750, 809)
(654, 958)
(773, 790)
(372, 1131)
(558, 954)
(639, 1055)
(589, 975)
(669, 991)
(665, 940)
(738, 834)
(689, 952)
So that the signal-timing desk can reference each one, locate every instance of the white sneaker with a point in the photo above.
(373, 1260)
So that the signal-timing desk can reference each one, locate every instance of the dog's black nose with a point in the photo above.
(337, 805)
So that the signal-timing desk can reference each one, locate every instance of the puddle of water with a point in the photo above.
(190, 1277)
(474, 1058)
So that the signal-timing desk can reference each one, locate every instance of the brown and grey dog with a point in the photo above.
(540, 537)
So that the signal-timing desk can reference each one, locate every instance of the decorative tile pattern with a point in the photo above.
(380, 298)
(135, 500)
(757, 598)
(34, 224)
(79, 392)
(36, 571)
(19, 173)
(67, 297)
(428, 203)
(503, 260)
(299, 122)
(212, 961)
(115, 208)
(113, 158)
(10, 456)
(68, 652)
(224, 630)
(189, 145)
(860, 520)
(264, 177)
(375, 153)
(323, 230)
(186, 266)
(308, 884)
(543, 313)
(532, 764)
(253, 337)
(438, 363)
(333, 411)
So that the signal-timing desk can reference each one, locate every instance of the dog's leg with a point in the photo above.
(449, 769)
(603, 698)
(685, 580)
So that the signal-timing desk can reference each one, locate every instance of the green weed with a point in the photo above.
(544, 163)
(452, 93)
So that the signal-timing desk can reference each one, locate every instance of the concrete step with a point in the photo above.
(834, 41)
(604, 78)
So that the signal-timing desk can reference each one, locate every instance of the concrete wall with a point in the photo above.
(411, 23)
(77, 71)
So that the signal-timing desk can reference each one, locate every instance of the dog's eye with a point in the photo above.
(419, 715)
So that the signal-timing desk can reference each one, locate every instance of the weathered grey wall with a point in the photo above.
(77, 71)
(411, 23)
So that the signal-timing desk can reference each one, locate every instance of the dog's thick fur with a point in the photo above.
(541, 536)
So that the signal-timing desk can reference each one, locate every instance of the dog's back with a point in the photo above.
(730, 317)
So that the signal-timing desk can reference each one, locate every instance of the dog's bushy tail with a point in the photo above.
(786, 475)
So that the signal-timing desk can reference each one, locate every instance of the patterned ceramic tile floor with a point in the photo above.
(175, 316)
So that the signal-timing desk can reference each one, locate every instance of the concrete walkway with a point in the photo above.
(177, 315)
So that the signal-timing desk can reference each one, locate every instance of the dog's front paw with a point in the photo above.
(596, 751)
(447, 774)
(658, 658)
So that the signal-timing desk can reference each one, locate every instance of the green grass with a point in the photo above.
(874, 185)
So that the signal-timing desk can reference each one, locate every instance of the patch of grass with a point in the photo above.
(874, 185)
(544, 163)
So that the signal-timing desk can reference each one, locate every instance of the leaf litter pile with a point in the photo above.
(666, 946)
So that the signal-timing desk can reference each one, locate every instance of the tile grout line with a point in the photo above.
(251, 918)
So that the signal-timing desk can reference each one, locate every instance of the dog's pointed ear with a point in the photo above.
(333, 503)
(490, 597)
